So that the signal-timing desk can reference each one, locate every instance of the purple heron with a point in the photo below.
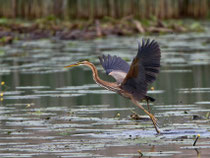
(131, 80)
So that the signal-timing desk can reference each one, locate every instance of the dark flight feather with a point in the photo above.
(143, 70)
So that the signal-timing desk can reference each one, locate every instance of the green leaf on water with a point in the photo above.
(3, 20)
(196, 27)
(38, 112)
(207, 115)
(2, 52)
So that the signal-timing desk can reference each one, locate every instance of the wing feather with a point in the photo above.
(143, 70)
(115, 66)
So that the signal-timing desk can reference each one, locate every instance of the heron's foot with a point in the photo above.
(155, 122)
(152, 117)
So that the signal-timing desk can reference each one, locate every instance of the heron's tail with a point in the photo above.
(149, 98)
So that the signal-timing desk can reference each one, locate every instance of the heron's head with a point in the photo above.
(79, 63)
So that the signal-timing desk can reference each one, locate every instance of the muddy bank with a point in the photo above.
(50, 27)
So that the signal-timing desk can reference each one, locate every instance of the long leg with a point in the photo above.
(154, 120)
(148, 107)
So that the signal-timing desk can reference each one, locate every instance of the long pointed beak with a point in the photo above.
(72, 65)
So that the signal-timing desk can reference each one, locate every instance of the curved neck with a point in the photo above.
(95, 74)
(105, 84)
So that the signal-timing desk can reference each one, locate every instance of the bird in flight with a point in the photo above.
(131, 80)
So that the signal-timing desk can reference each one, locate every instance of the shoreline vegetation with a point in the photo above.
(52, 27)
(89, 19)
(98, 9)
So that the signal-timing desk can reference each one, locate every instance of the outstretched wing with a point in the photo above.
(115, 66)
(143, 70)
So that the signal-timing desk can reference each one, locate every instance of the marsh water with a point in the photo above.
(51, 111)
